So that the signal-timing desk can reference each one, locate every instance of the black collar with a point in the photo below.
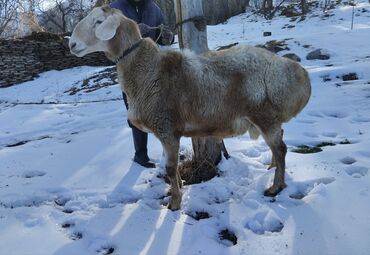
(128, 51)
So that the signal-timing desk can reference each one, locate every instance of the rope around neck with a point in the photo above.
(128, 51)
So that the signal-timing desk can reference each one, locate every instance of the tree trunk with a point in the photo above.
(267, 8)
(304, 7)
(192, 34)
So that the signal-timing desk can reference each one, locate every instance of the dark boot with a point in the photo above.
(140, 142)
(141, 152)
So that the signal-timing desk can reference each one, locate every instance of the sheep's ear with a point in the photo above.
(107, 30)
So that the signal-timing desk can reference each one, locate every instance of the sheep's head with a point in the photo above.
(96, 31)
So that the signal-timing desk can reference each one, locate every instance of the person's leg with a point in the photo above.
(140, 143)
(141, 151)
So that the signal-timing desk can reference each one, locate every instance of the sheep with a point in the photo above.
(218, 94)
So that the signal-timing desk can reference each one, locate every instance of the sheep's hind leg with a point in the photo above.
(171, 147)
(274, 138)
(273, 161)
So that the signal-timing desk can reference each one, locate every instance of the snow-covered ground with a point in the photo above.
(68, 184)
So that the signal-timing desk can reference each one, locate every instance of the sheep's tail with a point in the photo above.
(254, 132)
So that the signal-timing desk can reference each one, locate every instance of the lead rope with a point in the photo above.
(197, 20)
(161, 27)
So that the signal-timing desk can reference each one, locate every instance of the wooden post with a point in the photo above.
(192, 33)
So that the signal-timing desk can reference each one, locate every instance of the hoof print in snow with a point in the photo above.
(357, 171)
(31, 174)
(302, 189)
(68, 211)
(199, 215)
(318, 54)
(349, 77)
(76, 236)
(297, 195)
(304, 149)
(67, 225)
(265, 222)
(348, 160)
(106, 251)
(228, 236)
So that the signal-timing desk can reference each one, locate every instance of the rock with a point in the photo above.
(227, 46)
(274, 46)
(267, 33)
(318, 54)
(292, 56)
(290, 11)
(349, 77)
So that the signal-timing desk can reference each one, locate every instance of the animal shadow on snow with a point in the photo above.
(120, 216)
(127, 207)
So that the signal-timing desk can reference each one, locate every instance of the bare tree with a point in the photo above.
(8, 14)
(193, 35)
(28, 15)
(61, 16)
(304, 7)
(267, 7)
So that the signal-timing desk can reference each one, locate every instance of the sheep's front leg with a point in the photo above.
(171, 148)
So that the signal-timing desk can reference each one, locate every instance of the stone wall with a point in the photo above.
(23, 59)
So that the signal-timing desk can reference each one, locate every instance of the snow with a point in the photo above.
(68, 184)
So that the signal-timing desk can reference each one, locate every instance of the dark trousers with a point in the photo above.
(140, 138)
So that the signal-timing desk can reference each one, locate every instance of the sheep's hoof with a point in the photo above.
(274, 190)
(174, 206)
(271, 166)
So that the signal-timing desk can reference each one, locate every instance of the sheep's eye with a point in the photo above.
(98, 22)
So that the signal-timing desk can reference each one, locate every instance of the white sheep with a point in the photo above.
(178, 93)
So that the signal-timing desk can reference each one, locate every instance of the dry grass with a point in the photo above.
(196, 172)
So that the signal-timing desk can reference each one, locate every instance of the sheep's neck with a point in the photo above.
(134, 69)
(128, 51)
